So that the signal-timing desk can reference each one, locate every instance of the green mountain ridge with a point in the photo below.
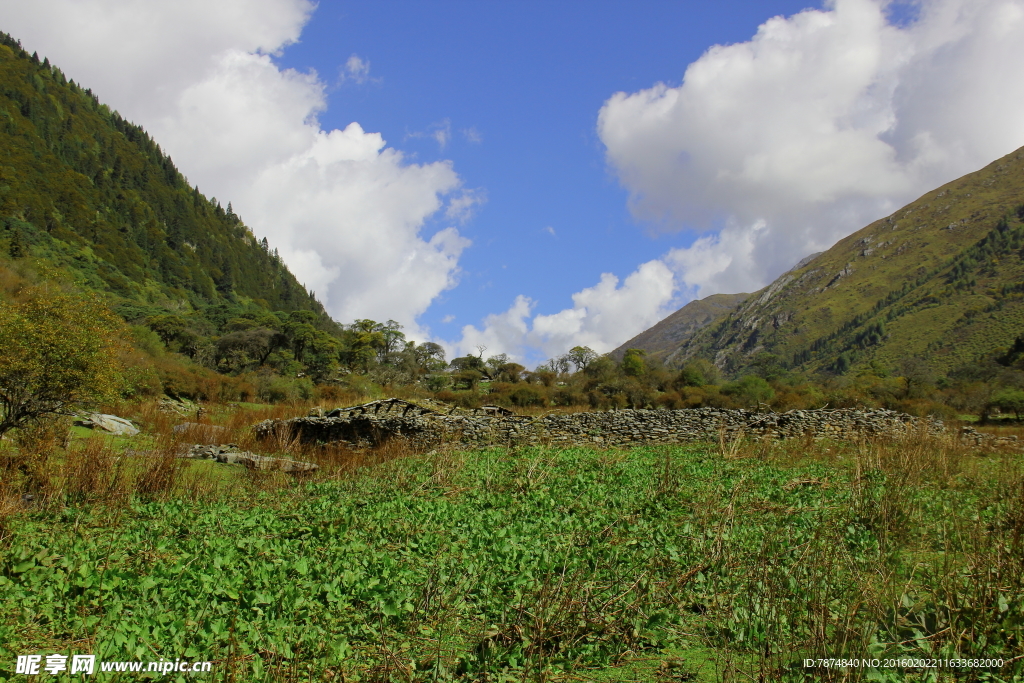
(88, 201)
(93, 195)
(941, 279)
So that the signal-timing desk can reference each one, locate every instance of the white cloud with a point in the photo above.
(472, 135)
(822, 122)
(346, 212)
(602, 317)
(551, 231)
(463, 206)
(440, 132)
(138, 55)
(356, 69)
(443, 135)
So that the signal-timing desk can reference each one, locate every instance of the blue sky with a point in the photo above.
(529, 176)
(529, 78)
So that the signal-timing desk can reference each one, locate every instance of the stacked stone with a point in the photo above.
(607, 428)
(973, 437)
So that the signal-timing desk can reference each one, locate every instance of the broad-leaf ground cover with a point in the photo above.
(652, 564)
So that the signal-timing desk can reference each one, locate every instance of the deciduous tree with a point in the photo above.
(581, 356)
(57, 353)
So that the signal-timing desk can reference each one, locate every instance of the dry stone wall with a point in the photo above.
(616, 428)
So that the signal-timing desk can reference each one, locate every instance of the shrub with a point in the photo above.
(1009, 401)
(528, 395)
(633, 362)
(749, 390)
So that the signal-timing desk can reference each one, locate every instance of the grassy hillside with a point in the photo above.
(942, 279)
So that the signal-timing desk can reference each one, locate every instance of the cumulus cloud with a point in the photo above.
(346, 212)
(822, 122)
(138, 55)
(779, 146)
(602, 317)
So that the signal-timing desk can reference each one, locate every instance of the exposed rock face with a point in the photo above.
(610, 428)
(181, 406)
(108, 423)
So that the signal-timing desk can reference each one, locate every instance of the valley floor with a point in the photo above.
(706, 563)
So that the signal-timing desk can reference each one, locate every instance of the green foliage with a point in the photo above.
(842, 365)
(540, 564)
(527, 395)
(57, 353)
(750, 390)
(1009, 401)
(633, 362)
(581, 356)
(697, 373)
(15, 248)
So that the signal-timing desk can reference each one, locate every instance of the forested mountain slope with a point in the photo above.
(941, 279)
(93, 194)
(88, 201)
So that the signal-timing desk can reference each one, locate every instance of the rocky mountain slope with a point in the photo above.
(675, 330)
(941, 279)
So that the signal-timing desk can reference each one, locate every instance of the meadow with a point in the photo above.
(709, 562)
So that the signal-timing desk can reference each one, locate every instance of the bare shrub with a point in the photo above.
(93, 471)
(160, 470)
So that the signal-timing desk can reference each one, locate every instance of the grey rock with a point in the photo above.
(231, 454)
(108, 423)
(358, 428)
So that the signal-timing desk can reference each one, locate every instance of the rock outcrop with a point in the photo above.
(231, 454)
(108, 423)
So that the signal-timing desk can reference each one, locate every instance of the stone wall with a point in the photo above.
(614, 428)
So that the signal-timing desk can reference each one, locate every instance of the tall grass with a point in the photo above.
(918, 553)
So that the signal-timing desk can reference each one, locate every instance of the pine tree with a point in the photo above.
(16, 249)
